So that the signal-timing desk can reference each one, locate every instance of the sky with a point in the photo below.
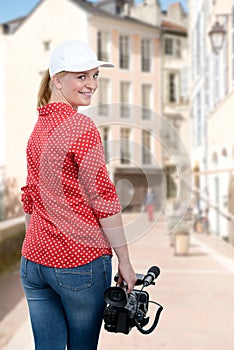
(11, 9)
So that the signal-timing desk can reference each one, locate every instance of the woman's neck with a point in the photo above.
(58, 97)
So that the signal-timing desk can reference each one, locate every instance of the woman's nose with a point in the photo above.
(91, 82)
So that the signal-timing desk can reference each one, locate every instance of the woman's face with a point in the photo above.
(77, 88)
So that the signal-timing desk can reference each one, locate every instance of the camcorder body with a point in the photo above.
(121, 319)
(124, 311)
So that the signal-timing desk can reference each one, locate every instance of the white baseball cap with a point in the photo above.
(74, 56)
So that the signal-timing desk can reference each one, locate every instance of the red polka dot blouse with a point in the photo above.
(67, 191)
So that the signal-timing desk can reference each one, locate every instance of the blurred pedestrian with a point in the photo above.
(150, 203)
(72, 210)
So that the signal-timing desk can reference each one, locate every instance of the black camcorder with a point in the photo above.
(125, 311)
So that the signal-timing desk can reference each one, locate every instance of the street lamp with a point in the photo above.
(218, 32)
(217, 35)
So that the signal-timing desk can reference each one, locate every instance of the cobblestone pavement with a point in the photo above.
(196, 291)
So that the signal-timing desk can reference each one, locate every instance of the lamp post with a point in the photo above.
(217, 35)
(218, 32)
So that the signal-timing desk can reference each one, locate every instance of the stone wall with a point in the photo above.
(11, 238)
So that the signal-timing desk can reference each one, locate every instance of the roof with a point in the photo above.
(95, 10)
(11, 26)
(176, 4)
(173, 27)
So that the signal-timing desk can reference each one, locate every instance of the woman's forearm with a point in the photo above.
(114, 231)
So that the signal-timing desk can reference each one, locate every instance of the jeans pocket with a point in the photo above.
(75, 278)
(23, 267)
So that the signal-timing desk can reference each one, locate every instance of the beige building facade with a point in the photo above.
(127, 107)
(212, 95)
(175, 88)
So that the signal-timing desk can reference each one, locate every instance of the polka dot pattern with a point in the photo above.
(67, 191)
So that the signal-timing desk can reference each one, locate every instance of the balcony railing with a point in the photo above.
(146, 114)
(103, 110)
(124, 111)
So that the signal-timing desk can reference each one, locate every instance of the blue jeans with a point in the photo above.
(66, 305)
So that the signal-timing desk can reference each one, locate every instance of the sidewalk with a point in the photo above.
(196, 291)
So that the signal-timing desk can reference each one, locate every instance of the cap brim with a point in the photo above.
(105, 64)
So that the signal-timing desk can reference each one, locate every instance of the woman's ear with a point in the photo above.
(56, 81)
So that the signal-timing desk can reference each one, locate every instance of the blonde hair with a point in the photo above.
(45, 91)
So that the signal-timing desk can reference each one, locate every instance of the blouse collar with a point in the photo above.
(59, 108)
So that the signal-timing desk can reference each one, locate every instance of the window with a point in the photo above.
(168, 46)
(170, 133)
(145, 55)
(178, 48)
(198, 45)
(46, 45)
(125, 146)
(224, 152)
(125, 99)
(102, 46)
(208, 8)
(103, 98)
(216, 78)
(207, 86)
(184, 84)
(198, 121)
(146, 146)
(124, 57)
(146, 101)
(224, 70)
(172, 88)
(172, 47)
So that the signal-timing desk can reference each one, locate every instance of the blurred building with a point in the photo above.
(175, 87)
(133, 37)
(212, 103)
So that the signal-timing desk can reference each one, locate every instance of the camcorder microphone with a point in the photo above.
(151, 275)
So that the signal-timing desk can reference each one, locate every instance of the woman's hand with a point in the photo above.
(127, 275)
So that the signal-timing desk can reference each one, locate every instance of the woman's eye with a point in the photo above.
(82, 77)
(96, 76)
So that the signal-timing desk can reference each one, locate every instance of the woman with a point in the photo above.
(72, 210)
(149, 203)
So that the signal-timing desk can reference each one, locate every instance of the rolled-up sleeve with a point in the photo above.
(93, 175)
(27, 200)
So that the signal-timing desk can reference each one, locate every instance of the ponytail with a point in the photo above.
(44, 92)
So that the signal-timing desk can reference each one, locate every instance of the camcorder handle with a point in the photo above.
(147, 279)
(139, 280)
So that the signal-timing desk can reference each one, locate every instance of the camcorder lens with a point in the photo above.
(116, 296)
